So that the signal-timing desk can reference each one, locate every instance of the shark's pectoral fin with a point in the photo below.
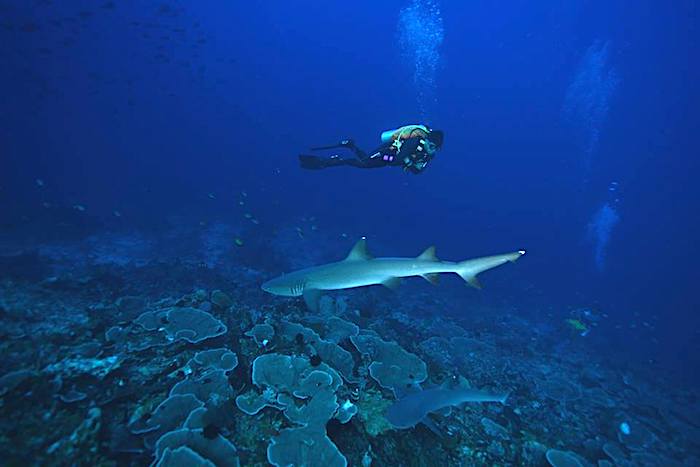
(431, 426)
(392, 283)
(474, 282)
(432, 278)
(312, 298)
(444, 412)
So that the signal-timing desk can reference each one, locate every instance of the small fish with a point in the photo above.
(578, 326)
(241, 203)
(238, 241)
(300, 232)
(314, 228)
(211, 196)
(248, 215)
(46, 205)
(625, 428)
(116, 214)
(244, 194)
(255, 221)
(79, 207)
(39, 182)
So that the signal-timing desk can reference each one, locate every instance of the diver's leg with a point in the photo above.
(310, 162)
(350, 144)
(317, 163)
(369, 163)
(346, 143)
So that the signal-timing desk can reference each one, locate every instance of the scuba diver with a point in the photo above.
(411, 147)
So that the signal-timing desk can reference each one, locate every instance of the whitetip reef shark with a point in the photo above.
(414, 408)
(360, 269)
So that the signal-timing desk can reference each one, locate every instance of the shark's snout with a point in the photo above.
(278, 286)
(267, 286)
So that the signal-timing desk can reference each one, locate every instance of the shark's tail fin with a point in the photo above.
(469, 269)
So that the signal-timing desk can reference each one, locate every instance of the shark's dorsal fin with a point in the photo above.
(428, 254)
(359, 251)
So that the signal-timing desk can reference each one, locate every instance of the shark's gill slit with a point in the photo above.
(298, 287)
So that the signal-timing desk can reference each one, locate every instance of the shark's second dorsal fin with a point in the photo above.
(359, 251)
(428, 254)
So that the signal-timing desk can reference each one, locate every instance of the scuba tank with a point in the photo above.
(399, 133)
(425, 150)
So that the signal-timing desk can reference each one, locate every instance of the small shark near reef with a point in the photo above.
(360, 269)
(414, 408)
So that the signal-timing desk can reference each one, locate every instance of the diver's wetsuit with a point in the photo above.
(411, 155)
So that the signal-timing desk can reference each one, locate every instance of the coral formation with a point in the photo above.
(392, 367)
(186, 323)
(557, 458)
(262, 334)
(189, 377)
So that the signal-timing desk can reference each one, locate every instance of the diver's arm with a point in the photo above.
(413, 151)
(409, 148)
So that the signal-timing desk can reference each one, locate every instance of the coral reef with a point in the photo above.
(391, 366)
(204, 369)
(186, 323)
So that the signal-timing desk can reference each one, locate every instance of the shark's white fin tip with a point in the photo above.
(517, 255)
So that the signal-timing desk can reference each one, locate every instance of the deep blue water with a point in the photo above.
(570, 131)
